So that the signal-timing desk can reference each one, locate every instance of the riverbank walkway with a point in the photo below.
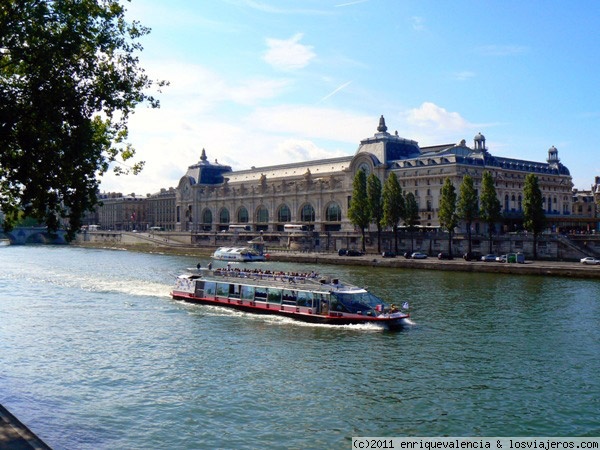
(16, 436)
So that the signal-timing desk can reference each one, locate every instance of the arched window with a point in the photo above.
(207, 217)
(242, 215)
(262, 214)
(307, 213)
(333, 213)
(284, 214)
(224, 216)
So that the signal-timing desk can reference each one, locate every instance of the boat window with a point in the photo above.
(304, 298)
(234, 290)
(210, 288)
(248, 292)
(199, 288)
(354, 302)
(321, 302)
(274, 295)
(260, 294)
(222, 289)
(289, 297)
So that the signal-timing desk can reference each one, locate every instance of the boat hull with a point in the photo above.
(391, 322)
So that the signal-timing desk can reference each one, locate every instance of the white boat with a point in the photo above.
(304, 297)
(238, 254)
(4, 242)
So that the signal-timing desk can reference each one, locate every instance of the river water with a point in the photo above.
(95, 355)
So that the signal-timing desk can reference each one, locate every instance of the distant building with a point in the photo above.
(120, 212)
(210, 196)
(161, 209)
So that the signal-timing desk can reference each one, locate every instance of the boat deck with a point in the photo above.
(278, 279)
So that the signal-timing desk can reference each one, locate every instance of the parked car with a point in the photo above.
(444, 256)
(589, 260)
(488, 258)
(351, 252)
(388, 255)
(418, 255)
(471, 256)
(501, 258)
(342, 251)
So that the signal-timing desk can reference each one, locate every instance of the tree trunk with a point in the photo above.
(364, 248)
(469, 236)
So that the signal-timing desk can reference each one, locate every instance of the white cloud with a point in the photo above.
(418, 23)
(312, 122)
(194, 84)
(434, 117)
(464, 75)
(288, 54)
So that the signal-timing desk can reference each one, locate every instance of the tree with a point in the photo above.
(375, 204)
(490, 207)
(411, 215)
(359, 213)
(534, 218)
(69, 79)
(467, 207)
(447, 213)
(393, 205)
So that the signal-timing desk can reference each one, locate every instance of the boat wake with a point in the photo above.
(100, 284)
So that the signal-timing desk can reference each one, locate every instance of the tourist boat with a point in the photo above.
(239, 254)
(4, 242)
(304, 297)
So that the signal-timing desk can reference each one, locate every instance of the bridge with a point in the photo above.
(34, 235)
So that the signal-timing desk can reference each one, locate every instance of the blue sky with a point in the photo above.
(262, 82)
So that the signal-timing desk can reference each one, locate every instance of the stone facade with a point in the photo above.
(122, 212)
(211, 196)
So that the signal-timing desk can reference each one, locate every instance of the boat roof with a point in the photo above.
(281, 280)
(233, 249)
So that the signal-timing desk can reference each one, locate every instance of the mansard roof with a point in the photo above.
(316, 168)
(387, 147)
(461, 154)
(205, 172)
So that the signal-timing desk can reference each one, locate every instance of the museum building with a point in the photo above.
(212, 196)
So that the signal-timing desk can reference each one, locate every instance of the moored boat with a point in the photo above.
(240, 254)
(304, 297)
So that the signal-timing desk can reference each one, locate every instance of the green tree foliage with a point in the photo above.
(375, 204)
(490, 207)
(411, 215)
(534, 218)
(69, 79)
(467, 207)
(359, 212)
(393, 206)
(447, 213)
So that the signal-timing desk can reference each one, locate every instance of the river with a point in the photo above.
(96, 355)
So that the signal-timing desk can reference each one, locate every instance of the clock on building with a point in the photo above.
(365, 166)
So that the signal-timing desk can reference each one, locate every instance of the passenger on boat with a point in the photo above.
(393, 309)
(209, 266)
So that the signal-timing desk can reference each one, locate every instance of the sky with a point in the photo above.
(267, 82)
